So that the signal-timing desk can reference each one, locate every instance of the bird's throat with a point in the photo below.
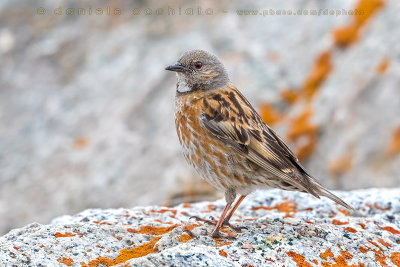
(182, 86)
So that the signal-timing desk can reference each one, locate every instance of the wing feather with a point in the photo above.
(232, 120)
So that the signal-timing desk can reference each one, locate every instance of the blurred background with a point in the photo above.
(87, 109)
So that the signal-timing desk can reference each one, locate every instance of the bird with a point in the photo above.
(227, 142)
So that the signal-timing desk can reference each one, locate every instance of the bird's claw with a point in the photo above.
(218, 234)
(236, 228)
(211, 221)
(190, 233)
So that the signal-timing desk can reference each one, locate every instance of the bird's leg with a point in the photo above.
(230, 196)
(218, 224)
(216, 233)
(226, 219)
(231, 212)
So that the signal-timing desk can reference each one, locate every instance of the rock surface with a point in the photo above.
(283, 229)
(86, 108)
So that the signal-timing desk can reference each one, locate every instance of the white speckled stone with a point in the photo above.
(283, 229)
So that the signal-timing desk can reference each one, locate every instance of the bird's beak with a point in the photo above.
(177, 67)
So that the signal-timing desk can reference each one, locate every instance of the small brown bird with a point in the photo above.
(227, 142)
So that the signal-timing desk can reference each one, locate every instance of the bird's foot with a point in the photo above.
(214, 234)
(235, 228)
(212, 221)
(217, 234)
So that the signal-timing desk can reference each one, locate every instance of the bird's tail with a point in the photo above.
(321, 191)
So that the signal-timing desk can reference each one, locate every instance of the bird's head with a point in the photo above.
(199, 70)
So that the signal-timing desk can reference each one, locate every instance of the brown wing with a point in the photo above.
(230, 118)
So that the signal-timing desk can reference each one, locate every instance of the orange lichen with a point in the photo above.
(305, 150)
(100, 261)
(350, 229)
(347, 255)
(394, 145)
(337, 222)
(326, 254)
(383, 66)
(268, 259)
(137, 252)
(364, 249)
(151, 230)
(341, 165)
(369, 7)
(342, 262)
(308, 209)
(223, 253)
(363, 226)
(395, 258)
(127, 254)
(345, 212)
(81, 143)
(185, 237)
(303, 130)
(380, 257)
(67, 234)
(376, 206)
(301, 126)
(347, 35)
(315, 261)
(392, 230)
(165, 210)
(380, 240)
(66, 261)
(223, 244)
(319, 73)
(299, 259)
(287, 207)
(210, 207)
(290, 95)
(375, 244)
(16, 248)
(269, 114)
(78, 233)
(187, 205)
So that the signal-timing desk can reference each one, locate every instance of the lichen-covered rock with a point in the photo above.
(88, 96)
(283, 229)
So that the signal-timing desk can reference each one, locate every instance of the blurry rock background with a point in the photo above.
(86, 108)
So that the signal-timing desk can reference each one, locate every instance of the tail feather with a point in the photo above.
(320, 190)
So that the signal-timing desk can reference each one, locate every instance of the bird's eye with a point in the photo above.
(198, 65)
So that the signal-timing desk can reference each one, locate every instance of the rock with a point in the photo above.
(86, 107)
(283, 229)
